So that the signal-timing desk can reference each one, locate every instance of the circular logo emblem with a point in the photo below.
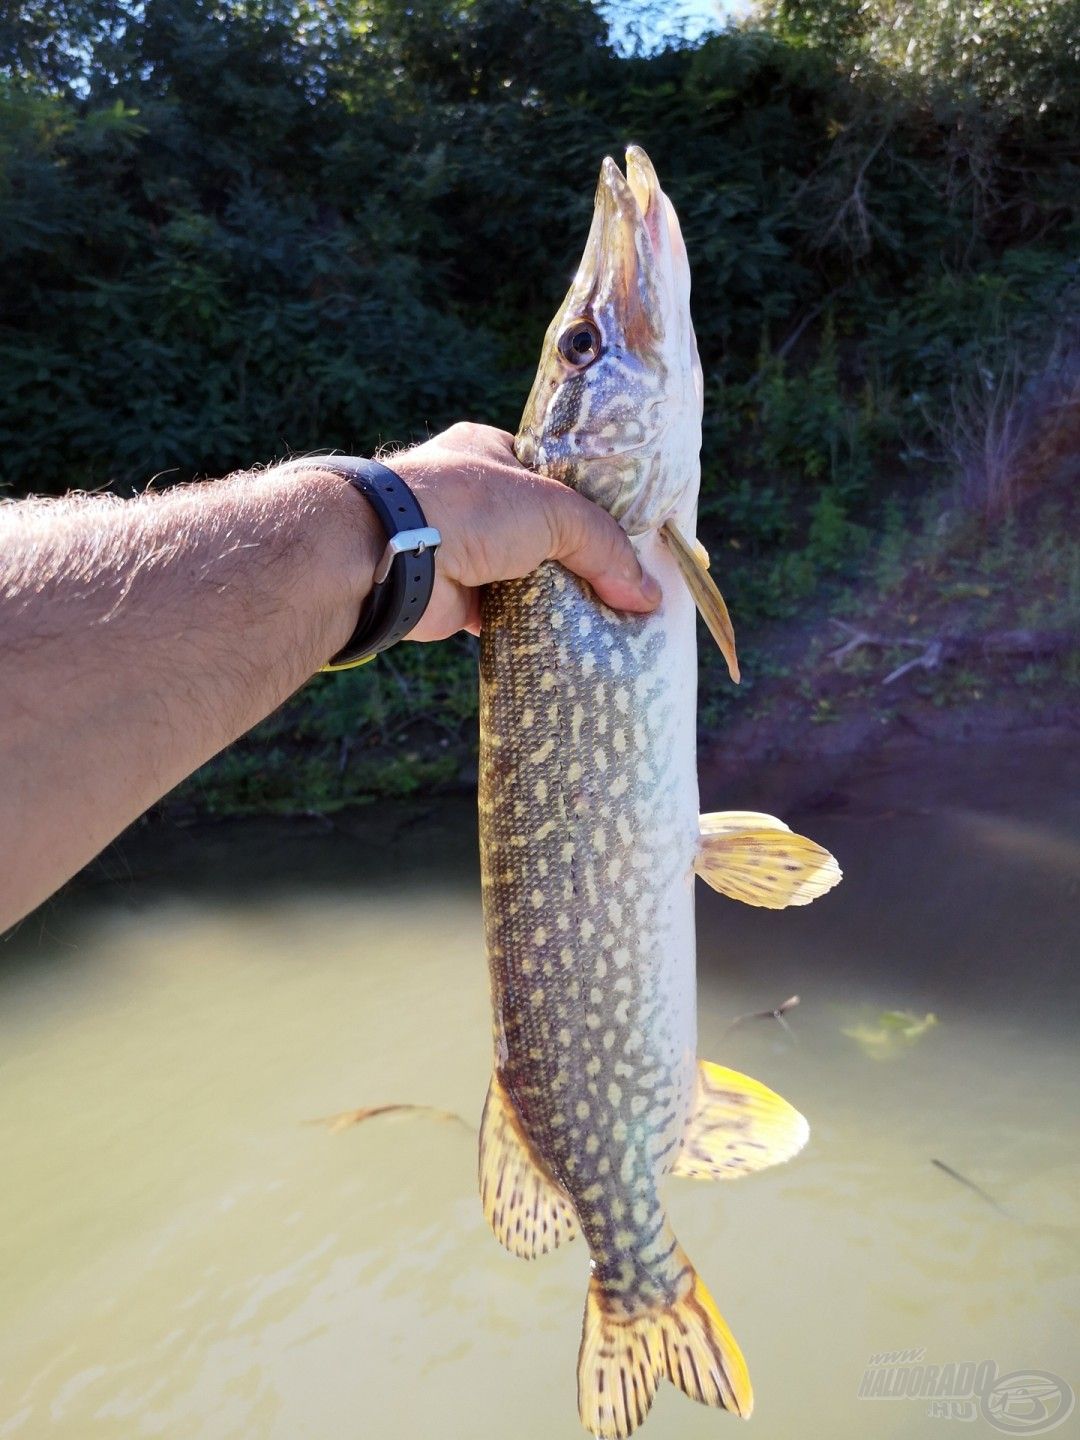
(1027, 1402)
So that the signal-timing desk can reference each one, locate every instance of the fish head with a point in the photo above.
(615, 410)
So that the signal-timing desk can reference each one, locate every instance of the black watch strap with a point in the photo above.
(404, 576)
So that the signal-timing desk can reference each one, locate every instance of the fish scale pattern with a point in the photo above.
(588, 833)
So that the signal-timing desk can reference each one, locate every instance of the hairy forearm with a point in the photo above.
(137, 638)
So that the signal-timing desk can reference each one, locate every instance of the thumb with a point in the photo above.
(589, 542)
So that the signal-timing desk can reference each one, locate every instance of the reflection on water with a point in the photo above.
(182, 1257)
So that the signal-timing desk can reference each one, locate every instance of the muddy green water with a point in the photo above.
(181, 1256)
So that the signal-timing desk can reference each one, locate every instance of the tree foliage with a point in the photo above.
(234, 227)
(230, 229)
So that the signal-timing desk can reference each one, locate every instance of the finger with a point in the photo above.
(590, 543)
(452, 608)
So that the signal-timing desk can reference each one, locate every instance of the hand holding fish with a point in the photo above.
(141, 636)
(499, 521)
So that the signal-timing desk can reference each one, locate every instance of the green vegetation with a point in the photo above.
(230, 230)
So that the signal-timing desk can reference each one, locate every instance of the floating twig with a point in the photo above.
(777, 1014)
(348, 1118)
(976, 1189)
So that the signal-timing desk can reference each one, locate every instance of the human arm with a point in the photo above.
(139, 637)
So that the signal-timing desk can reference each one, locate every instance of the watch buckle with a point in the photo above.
(406, 542)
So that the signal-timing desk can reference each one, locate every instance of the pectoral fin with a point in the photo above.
(528, 1210)
(694, 564)
(758, 860)
(737, 1127)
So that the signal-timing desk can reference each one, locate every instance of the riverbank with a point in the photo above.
(950, 630)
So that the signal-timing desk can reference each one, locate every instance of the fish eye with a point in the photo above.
(579, 343)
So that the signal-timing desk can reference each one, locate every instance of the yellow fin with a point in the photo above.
(624, 1356)
(758, 860)
(707, 597)
(738, 1126)
(529, 1211)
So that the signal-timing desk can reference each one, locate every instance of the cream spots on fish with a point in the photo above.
(608, 842)
(542, 752)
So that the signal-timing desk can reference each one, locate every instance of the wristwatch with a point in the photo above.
(405, 575)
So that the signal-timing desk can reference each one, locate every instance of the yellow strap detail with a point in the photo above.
(329, 669)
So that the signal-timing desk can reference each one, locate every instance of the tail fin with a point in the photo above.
(624, 1357)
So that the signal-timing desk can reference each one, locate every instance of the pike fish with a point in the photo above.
(591, 837)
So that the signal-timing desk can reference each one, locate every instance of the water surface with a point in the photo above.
(181, 1255)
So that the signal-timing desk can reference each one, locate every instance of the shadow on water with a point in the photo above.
(182, 1256)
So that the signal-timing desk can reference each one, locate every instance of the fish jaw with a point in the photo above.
(622, 422)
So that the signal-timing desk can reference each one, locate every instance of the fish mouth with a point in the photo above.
(603, 434)
(635, 261)
(616, 273)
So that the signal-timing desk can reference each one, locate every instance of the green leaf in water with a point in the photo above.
(893, 1032)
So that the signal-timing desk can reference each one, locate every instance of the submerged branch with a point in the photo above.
(941, 649)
